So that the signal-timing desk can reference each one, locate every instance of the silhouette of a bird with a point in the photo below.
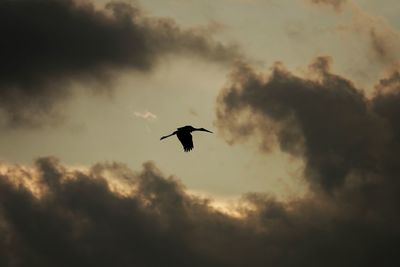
(184, 136)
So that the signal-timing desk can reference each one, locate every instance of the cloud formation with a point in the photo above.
(108, 215)
(349, 144)
(383, 38)
(323, 119)
(336, 4)
(46, 45)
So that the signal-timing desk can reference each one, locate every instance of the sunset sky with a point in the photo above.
(303, 97)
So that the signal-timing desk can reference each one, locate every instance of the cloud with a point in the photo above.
(109, 215)
(389, 84)
(47, 45)
(336, 4)
(384, 40)
(193, 112)
(348, 142)
(147, 115)
(322, 119)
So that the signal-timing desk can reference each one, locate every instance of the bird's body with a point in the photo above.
(185, 137)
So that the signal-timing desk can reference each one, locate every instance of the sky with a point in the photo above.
(302, 97)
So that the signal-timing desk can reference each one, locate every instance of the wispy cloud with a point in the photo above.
(146, 115)
(193, 112)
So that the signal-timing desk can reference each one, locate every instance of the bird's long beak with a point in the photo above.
(205, 130)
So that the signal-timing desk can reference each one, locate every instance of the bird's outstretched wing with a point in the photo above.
(166, 136)
(186, 140)
(163, 137)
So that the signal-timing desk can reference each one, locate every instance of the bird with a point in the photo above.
(184, 136)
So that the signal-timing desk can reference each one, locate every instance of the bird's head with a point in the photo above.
(204, 130)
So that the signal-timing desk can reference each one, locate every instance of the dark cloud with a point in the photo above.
(323, 119)
(392, 82)
(385, 104)
(350, 146)
(51, 215)
(47, 44)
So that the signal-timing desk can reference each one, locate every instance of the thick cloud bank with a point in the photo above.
(52, 215)
(47, 44)
(324, 118)
(349, 144)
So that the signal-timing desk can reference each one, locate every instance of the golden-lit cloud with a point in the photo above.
(82, 218)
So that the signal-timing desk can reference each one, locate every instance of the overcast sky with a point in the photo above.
(302, 97)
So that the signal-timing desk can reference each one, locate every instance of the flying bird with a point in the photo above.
(184, 136)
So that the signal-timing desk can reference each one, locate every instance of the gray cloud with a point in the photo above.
(323, 119)
(52, 215)
(48, 44)
(349, 143)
